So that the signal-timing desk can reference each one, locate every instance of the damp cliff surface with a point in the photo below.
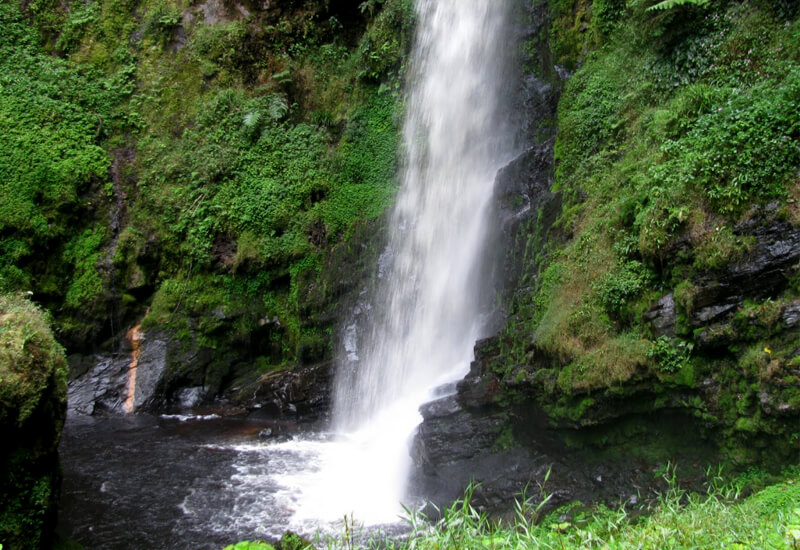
(211, 160)
(651, 285)
(227, 166)
(33, 376)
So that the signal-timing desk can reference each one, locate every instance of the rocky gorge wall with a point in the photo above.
(646, 320)
(232, 163)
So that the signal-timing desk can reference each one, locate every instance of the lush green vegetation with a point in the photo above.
(202, 166)
(55, 116)
(201, 170)
(769, 518)
(753, 510)
(33, 393)
(677, 126)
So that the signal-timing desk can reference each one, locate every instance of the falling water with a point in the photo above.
(426, 315)
(428, 311)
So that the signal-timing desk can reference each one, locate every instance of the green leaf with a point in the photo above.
(669, 4)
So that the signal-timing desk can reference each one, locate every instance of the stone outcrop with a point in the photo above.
(504, 427)
(762, 273)
(110, 383)
(302, 393)
(513, 419)
(475, 435)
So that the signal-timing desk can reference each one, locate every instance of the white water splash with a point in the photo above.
(426, 315)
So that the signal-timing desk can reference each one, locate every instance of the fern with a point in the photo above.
(669, 4)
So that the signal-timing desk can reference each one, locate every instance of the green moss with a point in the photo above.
(505, 439)
(33, 388)
(570, 40)
(664, 133)
(31, 362)
(245, 150)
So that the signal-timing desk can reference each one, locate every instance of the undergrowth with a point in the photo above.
(159, 155)
(678, 127)
(729, 514)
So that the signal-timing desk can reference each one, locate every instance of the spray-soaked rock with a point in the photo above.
(111, 384)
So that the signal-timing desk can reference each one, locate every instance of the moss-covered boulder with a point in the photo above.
(33, 396)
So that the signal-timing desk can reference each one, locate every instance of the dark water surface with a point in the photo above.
(145, 481)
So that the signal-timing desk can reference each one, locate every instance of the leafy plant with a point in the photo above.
(671, 4)
(622, 285)
(670, 354)
(250, 545)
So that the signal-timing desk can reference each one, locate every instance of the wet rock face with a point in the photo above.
(449, 434)
(509, 450)
(716, 296)
(662, 316)
(303, 393)
(103, 387)
(106, 386)
(763, 273)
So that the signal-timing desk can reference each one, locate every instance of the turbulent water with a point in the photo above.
(426, 313)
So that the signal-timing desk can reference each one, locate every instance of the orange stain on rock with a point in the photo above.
(135, 337)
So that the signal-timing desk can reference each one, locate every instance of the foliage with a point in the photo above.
(622, 285)
(670, 354)
(720, 517)
(244, 149)
(670, 135)
(745, 149)
(33, 393)
(248, 545)
(607, 14)
(588, 117)
(31, 361)
(383, 47)
(55, 115)
(569, 41)
(670, 4)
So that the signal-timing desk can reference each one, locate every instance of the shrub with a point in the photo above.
(746, 148)
(670, 354)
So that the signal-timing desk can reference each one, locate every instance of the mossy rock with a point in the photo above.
(33, 398)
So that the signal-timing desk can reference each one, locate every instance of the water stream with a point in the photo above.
(426, 314)
(428, 303)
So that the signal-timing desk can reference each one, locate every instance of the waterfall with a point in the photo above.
(426, 311)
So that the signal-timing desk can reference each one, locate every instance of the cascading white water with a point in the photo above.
(426, 311)
(427, 304)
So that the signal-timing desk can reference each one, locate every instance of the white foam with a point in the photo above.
(189, 417)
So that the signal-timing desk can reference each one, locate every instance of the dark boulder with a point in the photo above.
(763, 273)
(662, 316)
(107, 386)
(302, 393)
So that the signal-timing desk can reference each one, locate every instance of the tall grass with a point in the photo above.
(721, 517)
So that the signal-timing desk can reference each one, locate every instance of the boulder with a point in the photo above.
(302, 393)
(33, 391)
(107, 385)
(763, 273)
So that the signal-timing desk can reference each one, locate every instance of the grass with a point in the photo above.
(727, 515)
